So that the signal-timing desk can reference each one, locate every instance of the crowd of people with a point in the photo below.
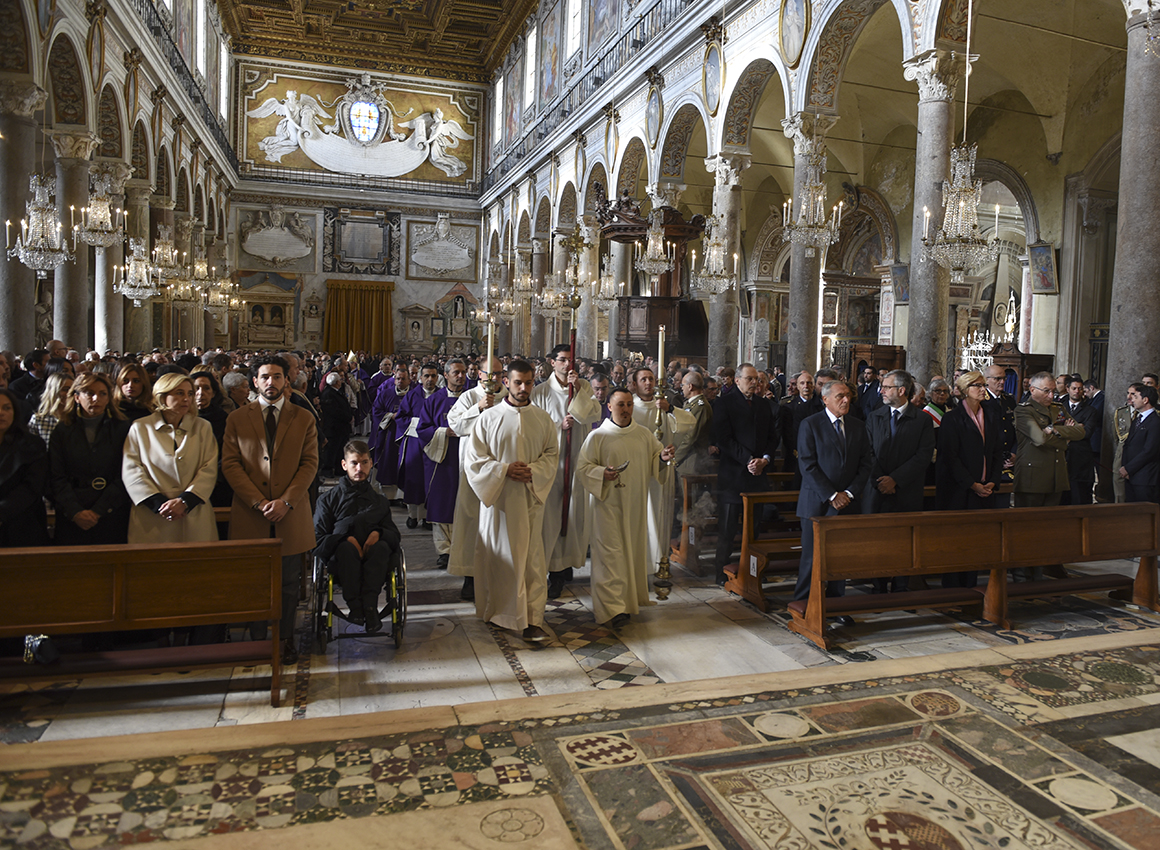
(521, 469)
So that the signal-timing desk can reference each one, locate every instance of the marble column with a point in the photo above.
(540, 260)
(1135, 320)
(503, 330)
(936, 73)
(620, 255)
(557, 328)
(804, 271)
(137, 321)
(588, 270)
(72, 295)
(18, 102)
(723, 308)
(187, 324)
(108, 315)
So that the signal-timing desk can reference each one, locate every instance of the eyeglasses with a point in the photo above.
(892, 386)
(1044, 389)
(976, 386)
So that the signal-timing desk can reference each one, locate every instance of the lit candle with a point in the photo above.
(661, 353)
(840, 205)
(490, 341)
(7, 232)
(996, 221)
(693, 259)
(735, 264)
(72, 216)
(925, 222)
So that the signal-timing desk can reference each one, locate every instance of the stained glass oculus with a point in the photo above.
(364, 120)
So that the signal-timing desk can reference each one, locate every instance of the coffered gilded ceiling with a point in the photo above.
(452, 39)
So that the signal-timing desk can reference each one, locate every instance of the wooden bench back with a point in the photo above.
(926, 543)
(68, 589)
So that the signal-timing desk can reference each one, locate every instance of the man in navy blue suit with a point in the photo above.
(1140, 467)
(834, 458)
(870, 395)
(903, 441)
(1095, 397)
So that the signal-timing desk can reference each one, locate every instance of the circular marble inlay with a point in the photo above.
(935, 704)
(1120, 673)
(601, 749)
(1082, 793)
(511, 825)
(777, 725)
(894, 830)
(1047, 681)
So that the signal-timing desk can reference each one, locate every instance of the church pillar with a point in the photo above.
(804, 271)
(1025, 306)
(187, 324)
(556, 327)
(108, 316)
(18, 101)
(71, 294)
(503, 329)
(936, 73)
(723, 312)
(588, 270)
(1135, 321)
(540, 249)
(620, 255)
(137, 319)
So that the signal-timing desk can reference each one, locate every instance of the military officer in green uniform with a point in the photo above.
(693, 457)
(1122, 417)
(1043, 435)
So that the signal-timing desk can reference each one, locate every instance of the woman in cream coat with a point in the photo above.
(170, 468)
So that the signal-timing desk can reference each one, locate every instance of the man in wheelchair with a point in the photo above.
(356, 536)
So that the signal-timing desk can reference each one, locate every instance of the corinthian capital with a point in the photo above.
(21, 98)
(73, 145)
(937, 73)
(110, 176)
(806, 130)
(726, 168)
(665, 194)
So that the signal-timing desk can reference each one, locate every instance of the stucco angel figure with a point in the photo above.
(300, 114)
(441, 134)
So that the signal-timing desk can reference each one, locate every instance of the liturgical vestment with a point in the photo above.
(465, 529)
(677, 427)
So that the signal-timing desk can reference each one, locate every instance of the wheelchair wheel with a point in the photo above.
(398, 600)
(320, 618)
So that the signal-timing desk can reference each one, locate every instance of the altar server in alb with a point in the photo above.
(569, 550)
(511, 464)
(620, 553)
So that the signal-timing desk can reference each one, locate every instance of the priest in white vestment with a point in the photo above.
(465, 528)
(620, 553)
(676, 428)
(569, 551)
(511, 463)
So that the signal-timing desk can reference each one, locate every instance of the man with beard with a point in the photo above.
(441, 456)
(411, 450)
(384, 421)
(676, 427)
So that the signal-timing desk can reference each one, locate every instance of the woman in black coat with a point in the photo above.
(23, 476)
(133, 392)
(84, 460)
(969, 465)
(209, 396)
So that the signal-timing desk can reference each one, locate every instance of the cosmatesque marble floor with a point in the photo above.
(702, 723)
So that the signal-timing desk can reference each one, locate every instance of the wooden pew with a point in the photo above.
(694, 539)
(994, 541)
(66, 590)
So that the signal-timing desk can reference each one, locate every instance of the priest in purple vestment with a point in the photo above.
(441, 456)
(411, 450)
(385, 431)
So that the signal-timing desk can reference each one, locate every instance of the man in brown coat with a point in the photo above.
(271, 488)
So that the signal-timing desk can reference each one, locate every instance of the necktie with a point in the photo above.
(894, 423)
(841, 438)
(1135, 422)
(271, 427)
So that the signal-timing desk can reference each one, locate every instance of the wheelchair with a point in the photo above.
(325, 610)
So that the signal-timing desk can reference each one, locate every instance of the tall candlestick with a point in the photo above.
(996, 221)
(661, 352)
(490, 341)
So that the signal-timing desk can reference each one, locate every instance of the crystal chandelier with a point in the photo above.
(181, 290)
(165, 263)
(656, 260)
(958, 245)
(605, 291)
(975, 349)
(507, 309)
(811, 228)
(41, 246)
(100, 226)
(713, 278)
(525, 284)
(550, 302)
(135, 281)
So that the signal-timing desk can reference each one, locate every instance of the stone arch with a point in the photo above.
(524, 233)
(566, 214)
(737, 123)
(181, 198)
(678, 135)
(162, 181)
(992, 170)
(210, 219)
(15, 45)
(67, 84)
(592, 197)
(109, 125)
(198, 205)
(765, 260)
(221, 227)
(828, 45)
(493, 246)
(868, 230)
(139, 157)
(544, 218)
(945, 21)
(628, 173)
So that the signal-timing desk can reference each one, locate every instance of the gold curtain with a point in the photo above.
(359, 317)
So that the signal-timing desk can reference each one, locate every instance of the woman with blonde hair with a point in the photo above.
(133, 392)
(84, 462)
(52, 402)
(170, 468)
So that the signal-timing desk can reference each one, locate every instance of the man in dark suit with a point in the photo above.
(903, 441)
(1095, 397)
(1081, 462)
(1005, 404)
(834, 457)
(870, 393)
(804, 404)
(746, 435)
(1140, 467)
